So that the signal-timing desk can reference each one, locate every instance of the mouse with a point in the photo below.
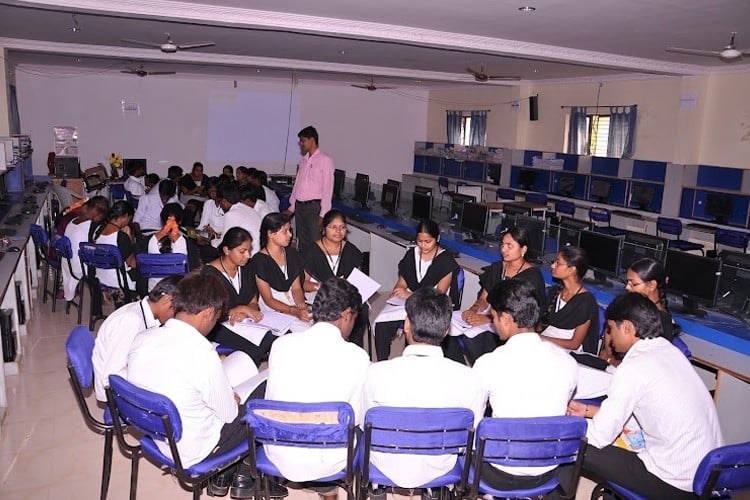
(14, 249)
(381, 226)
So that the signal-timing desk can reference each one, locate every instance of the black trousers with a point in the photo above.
(308, 231)
(226, 337)
(384, 334)
(360, 327)
(626, 469)
(504, 481)
(463, 349)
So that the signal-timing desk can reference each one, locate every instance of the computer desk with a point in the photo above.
(719, 342)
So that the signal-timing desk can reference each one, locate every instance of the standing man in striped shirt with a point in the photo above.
(313, 189)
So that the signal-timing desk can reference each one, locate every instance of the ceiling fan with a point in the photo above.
(482, 77)
(729, 53)
(169, 46)
(371, 86)
(141, 71)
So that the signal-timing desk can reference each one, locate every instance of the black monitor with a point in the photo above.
(526, 179)
(720, 207)
(734, 284)
(339, 179)
(423, 190)
(511, 211)
(457, 204)
(567, 185)
(362, 189)
(569, 233)
(641, 196)
(129, 165)
(600, 190)
(493, 173)
(393, 181)
(474, 221)
(603, 251)
(693, 277)
(537, 231)
(389, 198)
(639, 245)
(421, 206)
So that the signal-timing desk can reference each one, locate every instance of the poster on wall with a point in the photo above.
(66, 140)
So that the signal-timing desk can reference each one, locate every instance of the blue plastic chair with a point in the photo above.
(266, 430)
(505, 194)
(64, 250)
(117, 191)
(133, 200)
(161, 265)
(416, 431)
(49, 260)
(729, 238)
(156, 418)
(100, 256)
(539, 198)
(528, 442)
(565, 207)
(599, 214)
(667, 225)
(79, 346)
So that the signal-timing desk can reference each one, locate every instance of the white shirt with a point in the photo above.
(527, 377)
(423, 378)
(657, 385)
(148, 214)
(213, 216)
(271, 199)
(77, 234)
(313, 366)
(113, 341)
(177, 361)
(240, 215)
(178, 246)
(135, 185)
(263, 208)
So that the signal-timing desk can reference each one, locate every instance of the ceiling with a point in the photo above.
(421, 42)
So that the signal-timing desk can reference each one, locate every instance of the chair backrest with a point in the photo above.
(154, 415)
(682, 346)
(734, 239)
(131, 199)
(306, 425)
(161, 265)
(599, 214)
(540, 198)
(117, 191)
(100, 255)
(443, 182)
(419, 431)
(602, 322)
(530, 442)
(668, 226)
(565, 207)
(725, 470)
(62, 246)
(505, 194)
(40, 238)
(460, 279)
(79, 346)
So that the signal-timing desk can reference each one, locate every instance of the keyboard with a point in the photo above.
(405, 235)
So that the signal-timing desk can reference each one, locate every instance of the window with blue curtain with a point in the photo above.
(478, 128)
(578, 133)
(453, 126)
(15, 119)
(622, 121)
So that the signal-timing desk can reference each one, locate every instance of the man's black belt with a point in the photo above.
(308, 202)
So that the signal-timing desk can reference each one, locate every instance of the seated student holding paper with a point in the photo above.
(314, 366)
(572, 319)
(234, 270)
(333, 256)
(426, 265)
(513, 266)
(279, 272)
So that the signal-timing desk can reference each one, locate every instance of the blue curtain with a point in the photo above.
(478, 128)
(578, 134)
(453, 121)
(621, 131)
(15, 119)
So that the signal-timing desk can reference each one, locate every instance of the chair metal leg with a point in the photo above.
(197, 489)
(107, 463)
(134, 472)
(45, 271)
(80, 302)
(55, 287)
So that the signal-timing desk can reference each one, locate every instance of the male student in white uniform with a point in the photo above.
(656, 384)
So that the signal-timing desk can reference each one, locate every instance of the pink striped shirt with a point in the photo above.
(314, 181)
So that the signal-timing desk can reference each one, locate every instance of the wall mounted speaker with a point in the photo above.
(534, 108)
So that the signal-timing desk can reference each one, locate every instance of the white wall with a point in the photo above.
(372, 132)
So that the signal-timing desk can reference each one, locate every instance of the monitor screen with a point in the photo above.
(600, 189)
(526, 179)
(720, 207)
(515, 209)
(474, 219)
(362, 188)
(421, 206)
(393, 181)
(537, 230)
(475, 191)
(457, 204)
(339, 179)
(639, 245)
(129, 165)
(423, 190)
(567, 185)
(603, 251)
(641, 196)
(389, 198)
(694, 277)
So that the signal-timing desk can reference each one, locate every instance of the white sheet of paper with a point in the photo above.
(238, 367)
(246, 388)
(396, 301)
(461, 327)
(366, 285)
(272, 320)
(252, 332)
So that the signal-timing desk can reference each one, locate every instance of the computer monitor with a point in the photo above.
(693, 277)
(537, 231)
(421, 206)
(362, 189)
(389, 198)
(423, 190)
(600, 190)
(129, 165)
(603, 251)
(393, 181)
(457, 204)
(474, 221)
(641, 196)
(567, 186)
(526, 179)
(511, 211)
(639, 245)
(493, 173)
(475, 191)
(720, 207)
(339, 180)
(734, 284)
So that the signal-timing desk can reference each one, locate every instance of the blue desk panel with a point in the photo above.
(717, 328)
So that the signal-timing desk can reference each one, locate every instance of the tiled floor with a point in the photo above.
(47, 452)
